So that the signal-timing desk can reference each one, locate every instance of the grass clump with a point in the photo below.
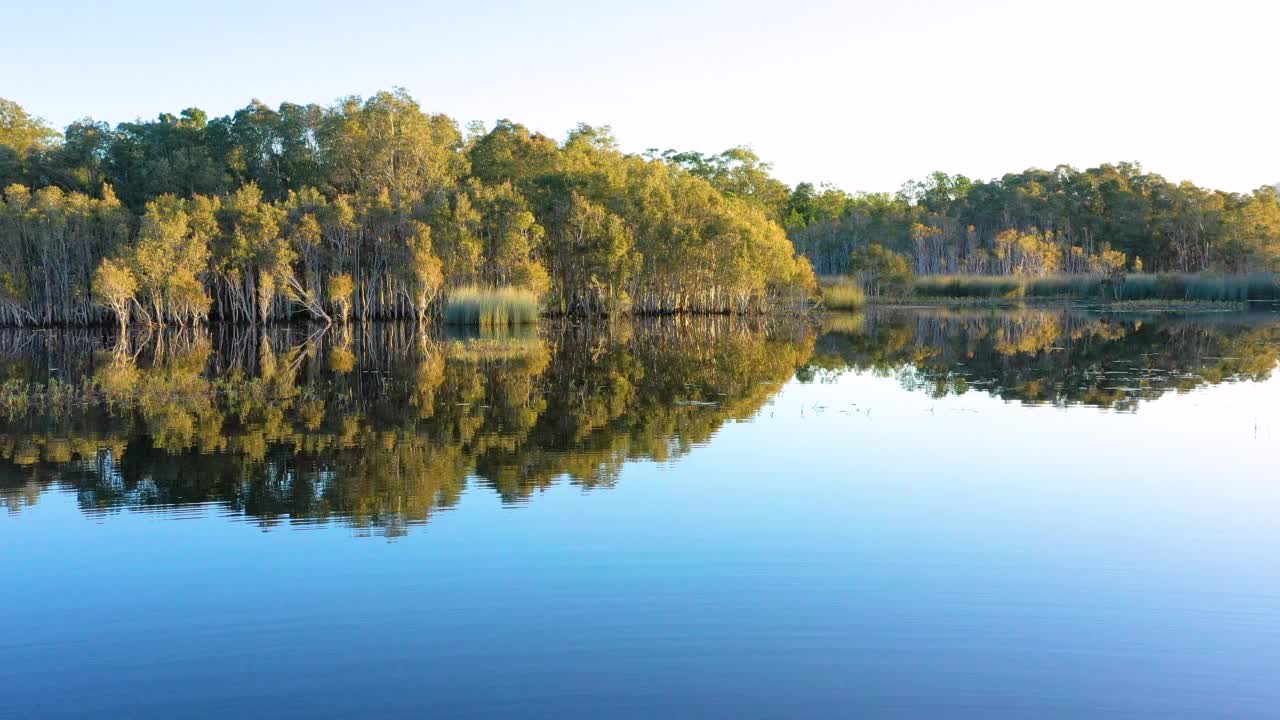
(491, 307)
(1254, 286)
(970, 286)
(1200, 287)
(1204, 287)
(1068, 286)
(841, 293)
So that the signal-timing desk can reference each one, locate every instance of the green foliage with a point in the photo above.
(251, 217)
(51, 242)
(1026, 253)
(305, 192)
(278, 201)
(423, 270)
(341, 288)
(115, 286)
(170, 254)
(1074, 218)
(739, 173)
(880, 270)
(22, 137)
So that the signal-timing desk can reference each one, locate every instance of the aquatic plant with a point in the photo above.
(491, 307)
(842, 293)
(967, 286)
(1135, 286)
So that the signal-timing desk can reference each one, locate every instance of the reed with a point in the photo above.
(1070, 286)
(1254, 286)
(491, 307)
(1202, 286)
(1142, 286)
(841, 293)
(970, 286)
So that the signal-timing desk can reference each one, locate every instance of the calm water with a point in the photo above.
(902, 514)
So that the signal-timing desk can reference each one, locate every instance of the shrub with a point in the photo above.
(880, 269)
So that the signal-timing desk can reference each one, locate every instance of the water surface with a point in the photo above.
(908, 513)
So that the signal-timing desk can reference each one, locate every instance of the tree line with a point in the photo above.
(372, 208)
(365, 209)
(1041, 222)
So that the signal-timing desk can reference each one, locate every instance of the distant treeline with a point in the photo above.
(371, 208)
(1043, 222)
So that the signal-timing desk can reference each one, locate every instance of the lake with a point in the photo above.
(902, 513)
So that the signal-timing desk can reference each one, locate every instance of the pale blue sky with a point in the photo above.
(862, 94)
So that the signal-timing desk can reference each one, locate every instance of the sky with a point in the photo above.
(863, 95)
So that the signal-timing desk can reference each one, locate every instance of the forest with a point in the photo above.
(1042, 222)
(367, 209)
(371, 208)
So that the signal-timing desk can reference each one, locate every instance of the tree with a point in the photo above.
(593, 258)
(171, 252)
(306, 242)
(256, 259)
(340, 290)
(510, 153)
(388, 143)
(737, 172)
(880, 270)
(1252, 233)
(423, 270)
(509, 235)
(22, 136)
(115, 286)
(1027, 253)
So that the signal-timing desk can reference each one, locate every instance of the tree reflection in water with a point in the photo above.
(1057, 357)
(381, 426)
